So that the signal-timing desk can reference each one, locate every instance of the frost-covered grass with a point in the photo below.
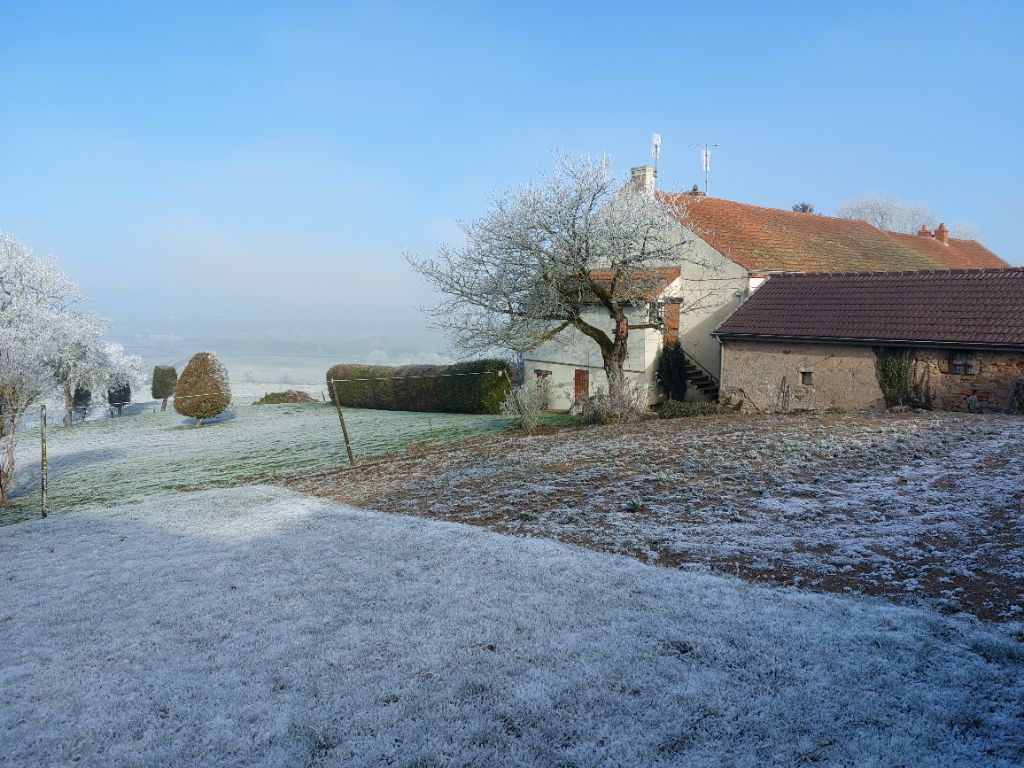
(918, 507)
(253, 626)
(131, 457)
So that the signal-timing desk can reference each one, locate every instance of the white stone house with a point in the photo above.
(726, 250)
(571, 364)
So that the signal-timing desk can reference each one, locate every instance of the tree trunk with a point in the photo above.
(615, 358)
(163, 406)
(69, 404)
(7, 465)
(199, 422)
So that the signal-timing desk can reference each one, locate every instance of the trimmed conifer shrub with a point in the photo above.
(671, 372)
(81, 398)
(202, 391)
(165, 379)
(118, 395)
(473, 387)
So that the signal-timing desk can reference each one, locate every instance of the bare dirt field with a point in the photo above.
(921, 507)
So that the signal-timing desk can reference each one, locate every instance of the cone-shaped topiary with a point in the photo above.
(202, 391)
(165, 379)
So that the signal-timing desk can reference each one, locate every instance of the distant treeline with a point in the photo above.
(473, 387)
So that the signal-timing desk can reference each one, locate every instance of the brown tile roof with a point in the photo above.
(773, 240)
(652, 283)
(977, 307)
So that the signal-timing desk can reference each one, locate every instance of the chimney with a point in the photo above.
(942, 234)
(643, 178)
(924, 231)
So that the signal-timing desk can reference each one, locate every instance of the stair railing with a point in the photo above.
(691, 360)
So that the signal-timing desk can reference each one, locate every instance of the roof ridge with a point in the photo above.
(902, 272)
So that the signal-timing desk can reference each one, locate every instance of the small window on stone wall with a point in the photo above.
(807, 378)
(961, 362)
(541, 374)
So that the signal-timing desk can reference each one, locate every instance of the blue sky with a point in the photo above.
(256, 170)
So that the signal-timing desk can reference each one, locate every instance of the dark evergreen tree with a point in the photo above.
(165, 379)
(671, 374)
(118, 395)
(80, 400)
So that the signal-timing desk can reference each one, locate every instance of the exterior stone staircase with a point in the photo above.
(700, 377)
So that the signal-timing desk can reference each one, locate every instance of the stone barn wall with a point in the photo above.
(777, 375)
(773, 375)
(990, 382)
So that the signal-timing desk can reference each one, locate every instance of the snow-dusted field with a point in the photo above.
(132, 457)
(917, 507)
(253, 626)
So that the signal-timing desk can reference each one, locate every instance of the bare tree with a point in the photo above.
(967, 232)
(889, 214)
(545, 253)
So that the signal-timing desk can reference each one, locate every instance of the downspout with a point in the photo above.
(721, 366)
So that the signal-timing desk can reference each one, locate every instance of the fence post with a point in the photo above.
(341, 419)
(42, 455)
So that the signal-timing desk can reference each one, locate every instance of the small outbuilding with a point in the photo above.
(950, 339)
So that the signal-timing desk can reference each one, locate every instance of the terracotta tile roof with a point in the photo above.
(770, 240)
(977, 307)
(654, 283)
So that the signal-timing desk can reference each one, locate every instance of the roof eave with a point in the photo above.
(930, 343)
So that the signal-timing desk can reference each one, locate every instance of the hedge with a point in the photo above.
(676, 409)
(433, 388)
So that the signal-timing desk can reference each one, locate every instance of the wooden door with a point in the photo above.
(582, 384)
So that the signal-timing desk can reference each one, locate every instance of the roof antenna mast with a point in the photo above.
(656, 151)
(705, 161)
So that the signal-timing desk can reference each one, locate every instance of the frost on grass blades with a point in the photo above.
(120, 460)
(252, 626)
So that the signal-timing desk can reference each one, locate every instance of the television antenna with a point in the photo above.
(656, 150)
(705, 161)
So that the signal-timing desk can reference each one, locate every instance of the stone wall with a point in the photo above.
(990, 383)
(774, 375)
(769, 376)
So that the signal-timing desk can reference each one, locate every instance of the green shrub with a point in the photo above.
(675, 409)
(288, 396)
(118, 395)
(473, 387)
(894, 369)
(671, 373)
(1017, 397)
(202, 391)
(81, 398)
(165, 379)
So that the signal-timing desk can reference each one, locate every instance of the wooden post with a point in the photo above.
(42, 456)
(341, 419)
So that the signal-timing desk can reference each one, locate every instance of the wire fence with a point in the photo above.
(332, 383)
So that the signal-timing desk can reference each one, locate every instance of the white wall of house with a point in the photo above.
(570, 351)
(712, 286)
